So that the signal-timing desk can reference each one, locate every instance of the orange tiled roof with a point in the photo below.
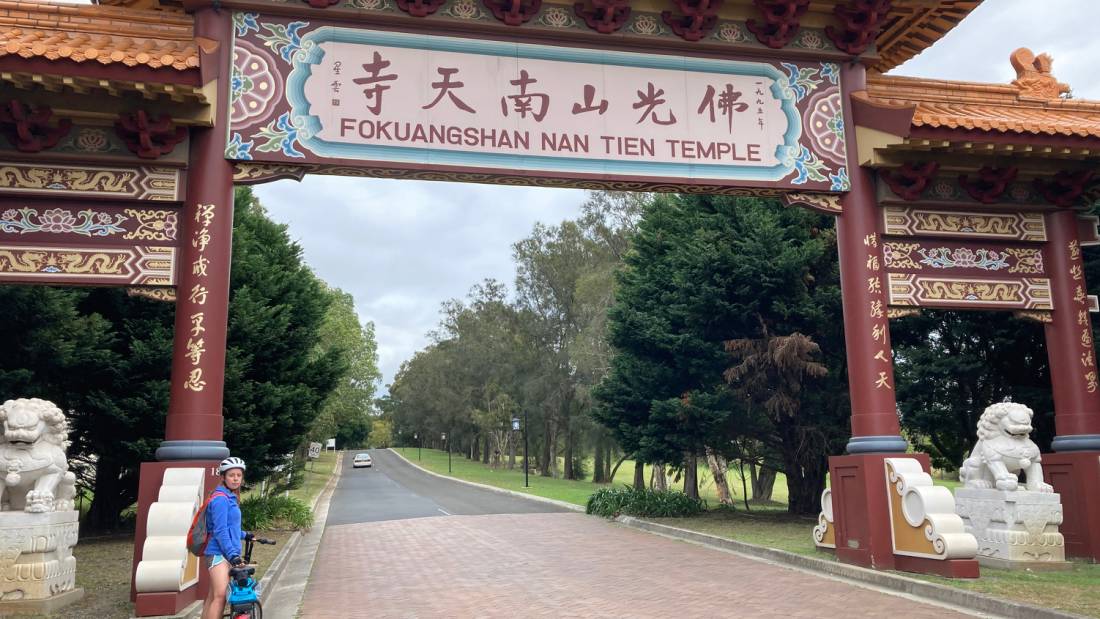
(1000, 108)
(107, 35)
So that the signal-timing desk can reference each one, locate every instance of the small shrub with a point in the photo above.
(259, 513)
(612, 502)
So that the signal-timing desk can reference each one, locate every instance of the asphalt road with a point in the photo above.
(394, 490)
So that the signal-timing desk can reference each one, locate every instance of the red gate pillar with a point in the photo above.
(193, 429)
(858, 480)
(1074, 470)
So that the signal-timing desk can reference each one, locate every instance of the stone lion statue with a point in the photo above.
(1003, 450)
(35, 472)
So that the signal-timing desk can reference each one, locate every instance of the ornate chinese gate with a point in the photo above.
(126, 127)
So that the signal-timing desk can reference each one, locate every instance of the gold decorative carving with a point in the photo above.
(900, 221)
(154, 293)
(898, 255)
(1037, 316)
(1028, 261)
(140, 183)
(827, 202)
(153, 225)
(902, 312)
(930, 291)
(100, 265)
(245, 173)
(1033, 76)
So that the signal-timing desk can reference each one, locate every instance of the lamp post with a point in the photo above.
(416, 436)
(448, 453)
(515, 426)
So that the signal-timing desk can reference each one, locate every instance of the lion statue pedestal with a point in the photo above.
(1015, 527)
(38, 525)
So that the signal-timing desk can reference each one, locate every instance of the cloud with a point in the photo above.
(401, 248)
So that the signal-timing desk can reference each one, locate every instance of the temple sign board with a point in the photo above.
(342, 97)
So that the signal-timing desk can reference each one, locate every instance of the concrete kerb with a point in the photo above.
(884, 580)
(279, 601)
(523, 495)
(279, 564)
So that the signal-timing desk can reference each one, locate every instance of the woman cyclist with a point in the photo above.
(223, 523)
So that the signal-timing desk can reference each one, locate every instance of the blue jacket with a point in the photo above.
(223, 523)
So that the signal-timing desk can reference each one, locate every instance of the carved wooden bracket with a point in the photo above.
(911, 179)
(147, 138)
(420, 8)
(30, 131)
(781, 21)
(697, 18)
(513, 12)
(990, 185)
(321, 4)
(1066, 187)
(605, 16)
(861, 20)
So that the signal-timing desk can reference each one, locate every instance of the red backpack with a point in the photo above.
(197, 536)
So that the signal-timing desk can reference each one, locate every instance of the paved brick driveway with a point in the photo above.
(563, 565)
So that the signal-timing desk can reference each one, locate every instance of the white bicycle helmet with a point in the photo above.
(230, 463)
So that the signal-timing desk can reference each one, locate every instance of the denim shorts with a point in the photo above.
(214, 560)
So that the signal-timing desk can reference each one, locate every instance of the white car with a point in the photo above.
(362, 460)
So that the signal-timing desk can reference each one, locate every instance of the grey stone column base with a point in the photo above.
(1076, 442)
(192, 450)
(47, 607)
(877, 444)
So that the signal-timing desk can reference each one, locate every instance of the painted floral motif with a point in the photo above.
(731, 32)
(644, 24)
(800, 81)
(284, 40)
(964, 258)
(831, 72)
(61, 221)
(809, 39)
(806, 165)
(944, 190)
(238, 149)
(824, 123)
(243, 22)
(281, 135)
(839, 181)
(1020, 193)
(556, 17)
(92, 141)
(898, 255)
(253, 84)
(465, 9)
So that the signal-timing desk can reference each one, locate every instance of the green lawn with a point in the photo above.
(576, 492)
(316, 476)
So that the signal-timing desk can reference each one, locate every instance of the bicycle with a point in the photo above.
(242, 600)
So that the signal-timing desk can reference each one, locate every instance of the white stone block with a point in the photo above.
(1013, 526)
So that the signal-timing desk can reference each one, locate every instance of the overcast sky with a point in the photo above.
(403, 247)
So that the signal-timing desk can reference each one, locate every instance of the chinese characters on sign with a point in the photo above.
(877, 310)
(196, 345)
(1080, 299)
(378, 95)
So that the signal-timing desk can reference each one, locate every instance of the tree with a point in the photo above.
(346, 414)
(276, 379)
(705, 270)
(381, 434)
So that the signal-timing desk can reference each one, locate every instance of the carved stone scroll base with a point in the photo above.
(37, 567)
(825, 531)
(1017, 528)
